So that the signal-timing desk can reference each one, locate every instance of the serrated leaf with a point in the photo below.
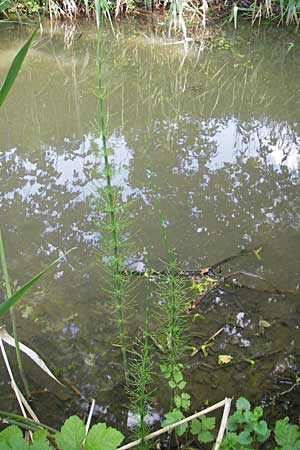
(40, 435)
(205, 436)
(196, 427)
(102, 438)
(41, 445)
(286, 435)
(244, 438)
(172, 417)
(14, 443)
(71, 435)
(177, 376)
(243, 404)
(181, 385)
(261, 428)
(208, 423)
(177, 401)
(181, 429)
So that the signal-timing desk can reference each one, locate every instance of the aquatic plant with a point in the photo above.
(112, 220)
(140, 375)
(171, 291)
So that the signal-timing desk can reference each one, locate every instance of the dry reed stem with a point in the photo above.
(223, 425)
(88, 422)
(177, 424)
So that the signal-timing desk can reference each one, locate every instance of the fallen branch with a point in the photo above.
(180, 422)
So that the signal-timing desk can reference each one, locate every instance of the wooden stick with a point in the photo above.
(175, 425)
(223, 425)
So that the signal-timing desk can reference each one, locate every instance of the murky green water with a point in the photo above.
(221, 126)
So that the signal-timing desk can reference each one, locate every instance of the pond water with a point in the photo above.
(220, 125)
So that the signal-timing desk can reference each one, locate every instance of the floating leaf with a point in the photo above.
(224, 359)
(264, 324)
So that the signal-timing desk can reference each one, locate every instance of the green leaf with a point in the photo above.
(181, 429)
(5, 306)
(71, 435)
(181, 385)
(205, 436)
(243, 404)
(230, 442)
(286, 435)
(177, 401)
(196, 426)
(261, 429)
(102, 438)
(40, 445)
(208, 423)
(15, 67)
(5, 4)
(258, 411)
(172, 417)
(10, 432)
(244, 438)
(14, 443)
(40, 435)
(177, 377)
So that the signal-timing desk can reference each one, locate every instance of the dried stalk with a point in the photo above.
(177, 424)
(223, 425)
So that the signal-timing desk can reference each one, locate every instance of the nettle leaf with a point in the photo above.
(71, 435)
(11, 432)
(286, 435)
(102, 438)
(243, 404)
(172, 417)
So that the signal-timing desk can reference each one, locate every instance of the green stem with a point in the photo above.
(112, 211)
(25, 422)
(13, 318)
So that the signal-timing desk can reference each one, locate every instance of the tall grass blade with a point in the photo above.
(11, 301)
(13, 317)
(15, 67)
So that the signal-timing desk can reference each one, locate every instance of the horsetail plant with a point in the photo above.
(140, 374)
(113, 229)
(171, 291)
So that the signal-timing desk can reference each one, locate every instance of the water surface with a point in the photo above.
(220, 126)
